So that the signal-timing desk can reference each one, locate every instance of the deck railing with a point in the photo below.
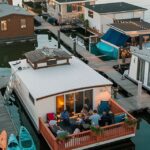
(110, 132)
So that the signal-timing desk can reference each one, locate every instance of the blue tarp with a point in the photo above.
(107, 50)
(114, 37)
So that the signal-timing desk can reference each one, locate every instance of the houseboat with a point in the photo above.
(50, 81)
(140, 66)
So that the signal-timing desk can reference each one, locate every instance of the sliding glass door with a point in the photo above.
(74, 102)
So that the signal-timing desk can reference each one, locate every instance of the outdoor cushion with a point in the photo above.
(50, 116)
(104, 106)
(119, 118)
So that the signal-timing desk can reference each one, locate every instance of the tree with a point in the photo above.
(86, 25)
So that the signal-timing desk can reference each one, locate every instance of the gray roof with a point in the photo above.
(131, 25)
(114, 7)
(6, 10)
(143, 54)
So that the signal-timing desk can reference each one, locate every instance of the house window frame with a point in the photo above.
(74, 97)
(4, 26)
(90, 14)
(23, 23)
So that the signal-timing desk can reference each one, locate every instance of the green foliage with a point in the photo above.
(86, 23)
(97, 130)
(130, 123)
(81, 17)
(64, 136)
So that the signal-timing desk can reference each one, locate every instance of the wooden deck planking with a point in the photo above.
(5, 119)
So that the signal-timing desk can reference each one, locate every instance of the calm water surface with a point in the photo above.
(14, 51)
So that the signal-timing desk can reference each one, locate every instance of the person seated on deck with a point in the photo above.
(95, 118)
(65, 117)
(85, 110)
(106, 119)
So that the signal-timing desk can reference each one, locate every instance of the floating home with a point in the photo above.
(66, 10)
(51, 80)
(140, 65)
(15, 23)
(101, 15)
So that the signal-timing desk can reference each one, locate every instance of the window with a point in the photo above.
(60, 104)
(4, 25)
(69, 8)
(78, 102)
(23, 23)
(70, 102)
(90, 14)
(88, 98)
(31, 98)
(74, 102)
(148, 80)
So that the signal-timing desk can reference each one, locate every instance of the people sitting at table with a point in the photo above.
(95, 118)
(106, 119)
(77, 129)
(65, 117)
(85, 110)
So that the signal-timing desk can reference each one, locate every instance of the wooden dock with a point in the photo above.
(130, 103)
(5, 118)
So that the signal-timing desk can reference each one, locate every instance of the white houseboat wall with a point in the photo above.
(32, 87)
(140, 66)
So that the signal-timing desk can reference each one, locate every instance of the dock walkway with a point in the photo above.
(5, 119)
(106, 67)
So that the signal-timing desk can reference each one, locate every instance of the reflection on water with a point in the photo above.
(15, 51)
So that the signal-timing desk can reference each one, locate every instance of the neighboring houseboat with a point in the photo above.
(66, 10)
(101, 15)
(10, 2)
(15, 23)
(125, 33)
(51, 80)
(140, 66)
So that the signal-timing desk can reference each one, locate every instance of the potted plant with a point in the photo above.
(130, 122)
(63, 136)
(97, 130)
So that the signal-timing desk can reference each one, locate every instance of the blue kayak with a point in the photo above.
(25, 140)
(13, 143)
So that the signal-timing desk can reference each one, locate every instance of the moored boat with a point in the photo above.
(3, 140)
(13, 143)
(25, 140)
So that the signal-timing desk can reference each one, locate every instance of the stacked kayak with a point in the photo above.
(25, 140)
(3, 140)
(13, 143)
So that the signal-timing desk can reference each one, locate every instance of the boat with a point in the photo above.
(50, 80)
(13, 143)
(3, 140)
(25, 139)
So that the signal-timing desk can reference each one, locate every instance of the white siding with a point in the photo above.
(133, 67)
(146, 73)
(141, 3)
(94, 22)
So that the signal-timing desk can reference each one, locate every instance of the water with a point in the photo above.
(15, 51)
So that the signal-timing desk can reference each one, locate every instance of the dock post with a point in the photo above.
(140, 42)
(74, 47)
(139, 93)
(58, 38)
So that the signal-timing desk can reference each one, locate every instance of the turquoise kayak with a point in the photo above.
(25, 140)
(13, 143)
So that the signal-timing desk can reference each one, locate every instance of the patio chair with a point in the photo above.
(103, 106)
(50, 116)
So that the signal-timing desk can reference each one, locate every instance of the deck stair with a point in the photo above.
(9, 89)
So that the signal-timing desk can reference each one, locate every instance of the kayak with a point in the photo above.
(13, 143)
(25, 139)
(3, 140)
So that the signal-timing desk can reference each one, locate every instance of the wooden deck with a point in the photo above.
(5, 119)
(106, 67)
